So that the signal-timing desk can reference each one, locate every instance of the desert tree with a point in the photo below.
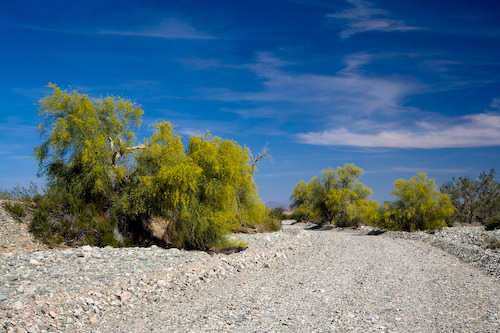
(419, 206)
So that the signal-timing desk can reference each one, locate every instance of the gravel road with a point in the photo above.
(294, 280)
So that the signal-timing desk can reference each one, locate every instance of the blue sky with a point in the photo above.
(396, 87)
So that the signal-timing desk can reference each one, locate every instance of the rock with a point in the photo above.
(3, 298)
(122, 296)
(52, 314)
(226, 250)
(34, 262)
(18, 305)
(77, 313)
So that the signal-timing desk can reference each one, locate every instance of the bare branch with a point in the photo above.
(262, 155)
(141, 146)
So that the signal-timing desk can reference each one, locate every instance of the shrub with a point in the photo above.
(493, 223)
(278, 213)
(337, 197)
(419, 207)
(102, 185)
(476, 200)
(16, 209)
(20, 192)
(59, 217)
(492, 243)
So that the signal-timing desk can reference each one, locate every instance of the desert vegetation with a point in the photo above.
(105, 189)
(419, 206)
(335, 197)
(16, 209)
(339, 198)
(476, 200)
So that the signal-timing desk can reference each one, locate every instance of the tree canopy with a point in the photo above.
(85, 142)
(104, 187)
(336, 197)
(419, 206)
(476, 200)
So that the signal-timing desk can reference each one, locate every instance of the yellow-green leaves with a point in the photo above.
(337, 197)
(419, 205)
(95, 170)
(81, 136)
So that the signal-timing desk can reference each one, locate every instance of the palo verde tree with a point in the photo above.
(420, 206)
(101, 181)
(85, 142)
(336, 197)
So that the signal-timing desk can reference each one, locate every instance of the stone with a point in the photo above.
(77, 313)
(18, 305)
(34, 262)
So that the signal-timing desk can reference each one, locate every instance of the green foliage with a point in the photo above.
(337, 197)
(420, 206)
(476, 200)
(86, 142)
(278, 213)
(99, 183)
(16, 208)
(492, 243)
(20, 192)
(204, 193)
(59, 217)
(493, 223)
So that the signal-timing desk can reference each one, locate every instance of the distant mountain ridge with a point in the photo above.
(276, 204)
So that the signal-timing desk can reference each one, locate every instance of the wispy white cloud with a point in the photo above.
(169, 29)
(191, 131)
(347, 92)
(364, 17)
(495, 104)
(476, 130)
(429, 170)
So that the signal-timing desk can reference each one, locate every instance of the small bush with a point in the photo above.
(4, 194)
(278, 213)
(477, 200)
(420, 206)
(492, 243)
(493, 223)
(58, 217)
(337, 197)
(16, 209)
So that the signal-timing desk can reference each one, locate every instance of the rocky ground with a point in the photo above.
(469, 243)
(292, 280)
(14, 234)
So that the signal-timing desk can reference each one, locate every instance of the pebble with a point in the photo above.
(468, 243)
(18, 305)
(292, 280)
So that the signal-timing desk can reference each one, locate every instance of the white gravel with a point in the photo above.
(469, 243)
(295, 280)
